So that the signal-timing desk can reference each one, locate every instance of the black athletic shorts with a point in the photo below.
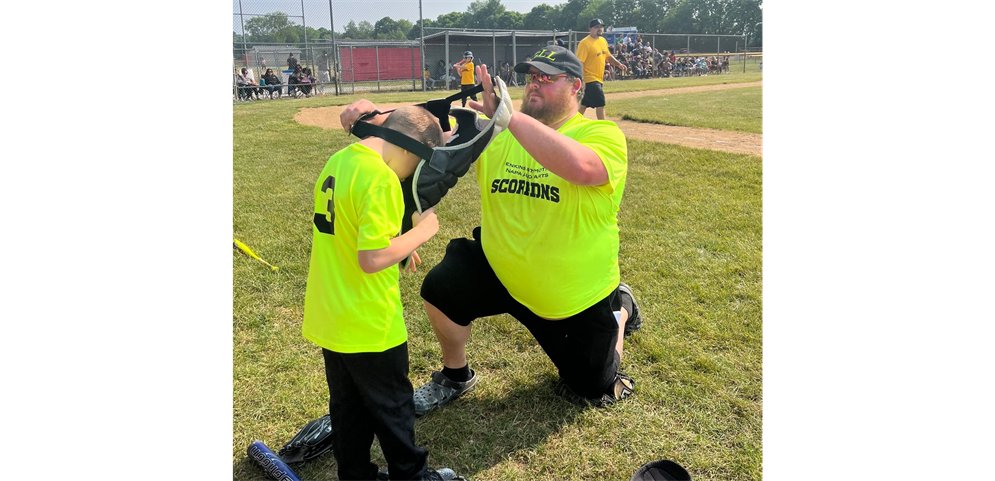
(582, 347)
(594, 96)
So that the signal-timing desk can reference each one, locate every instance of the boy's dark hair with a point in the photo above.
(417, 123)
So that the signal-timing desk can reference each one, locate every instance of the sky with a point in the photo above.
(370, 10)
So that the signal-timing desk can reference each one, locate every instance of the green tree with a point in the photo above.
(484, 14)
(569, 17)
(404, 26)
(511, 20)
(384, 28)
(264, 27)
(358, 32)
(541, 17)
(602, 9)
(679, 19)
(415, 31)
(451, 20)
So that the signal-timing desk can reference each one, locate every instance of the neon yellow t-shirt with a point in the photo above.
(345, 309)
(467, 75)
(593, 54)
(553, 244)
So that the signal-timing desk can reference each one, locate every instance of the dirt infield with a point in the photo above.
(726, 141)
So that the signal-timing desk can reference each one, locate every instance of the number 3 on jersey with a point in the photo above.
(325, 221)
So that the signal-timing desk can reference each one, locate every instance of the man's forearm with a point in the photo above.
(558, 153)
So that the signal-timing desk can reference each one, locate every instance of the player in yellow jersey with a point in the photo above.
(466, 71)
(593, 52)
(352, 304)
(547, 248)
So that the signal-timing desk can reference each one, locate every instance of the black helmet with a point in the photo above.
(468, 54)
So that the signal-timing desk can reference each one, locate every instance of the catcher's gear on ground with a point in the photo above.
(662, 470)
(313, 440)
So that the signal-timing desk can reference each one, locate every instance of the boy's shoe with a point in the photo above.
(440, 391)
(635, 321)
(444, 474)
(619, 390)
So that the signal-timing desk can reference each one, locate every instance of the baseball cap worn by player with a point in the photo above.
(553, 60)
(596, 22)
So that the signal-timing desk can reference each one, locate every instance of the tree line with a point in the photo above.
(715, 17)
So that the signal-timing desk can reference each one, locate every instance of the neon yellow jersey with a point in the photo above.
(593, 54)
(553, 244)
(467, 75)
(345, 309)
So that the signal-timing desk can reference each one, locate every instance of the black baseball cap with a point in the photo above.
(553, 60)
(596, 22)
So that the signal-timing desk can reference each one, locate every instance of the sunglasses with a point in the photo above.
(542, 78)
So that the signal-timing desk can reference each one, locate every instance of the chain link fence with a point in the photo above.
(295, 43)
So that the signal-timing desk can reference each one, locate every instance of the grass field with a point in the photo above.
(735, 109)
(691, 248)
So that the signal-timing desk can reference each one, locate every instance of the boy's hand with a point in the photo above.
(412, 260)
(356, 110)
(428, 218)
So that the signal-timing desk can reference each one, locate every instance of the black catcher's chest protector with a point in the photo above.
(441, 167)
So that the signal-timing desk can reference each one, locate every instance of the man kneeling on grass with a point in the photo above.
(547, 248)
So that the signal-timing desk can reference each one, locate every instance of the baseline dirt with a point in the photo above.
(726, 141)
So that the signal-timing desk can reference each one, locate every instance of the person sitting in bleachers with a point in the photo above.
(294, 82)
(307, 81)
(247, 89)
(271, 83)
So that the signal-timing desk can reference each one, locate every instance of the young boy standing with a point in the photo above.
(352, 305)
(467, 80)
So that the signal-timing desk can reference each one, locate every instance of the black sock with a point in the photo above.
(461, 374)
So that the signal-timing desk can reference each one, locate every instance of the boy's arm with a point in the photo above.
(425, 224)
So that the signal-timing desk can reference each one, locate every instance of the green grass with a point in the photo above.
(735, 109)
(691, 247)
(636, 85)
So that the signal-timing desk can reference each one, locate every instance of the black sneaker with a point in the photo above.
(635, 321)
(444, 474)
(619, 390)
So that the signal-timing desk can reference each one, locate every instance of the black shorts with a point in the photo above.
(594, 95)
(582, 347)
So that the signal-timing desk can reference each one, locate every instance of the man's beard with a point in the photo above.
(553, 109)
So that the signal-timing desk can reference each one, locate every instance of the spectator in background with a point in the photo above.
(262, 63)
(307, 81)
(639, 66)
(291, 62)
(593, 53)
(658, 62)
(439, 74)
(247, 89)
(427, 75)
(323, 67)
(295, 81)
(271, 83)
(508, 75)
(521, 79)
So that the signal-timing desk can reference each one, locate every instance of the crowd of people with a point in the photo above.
(301, 83)
(644, 61)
